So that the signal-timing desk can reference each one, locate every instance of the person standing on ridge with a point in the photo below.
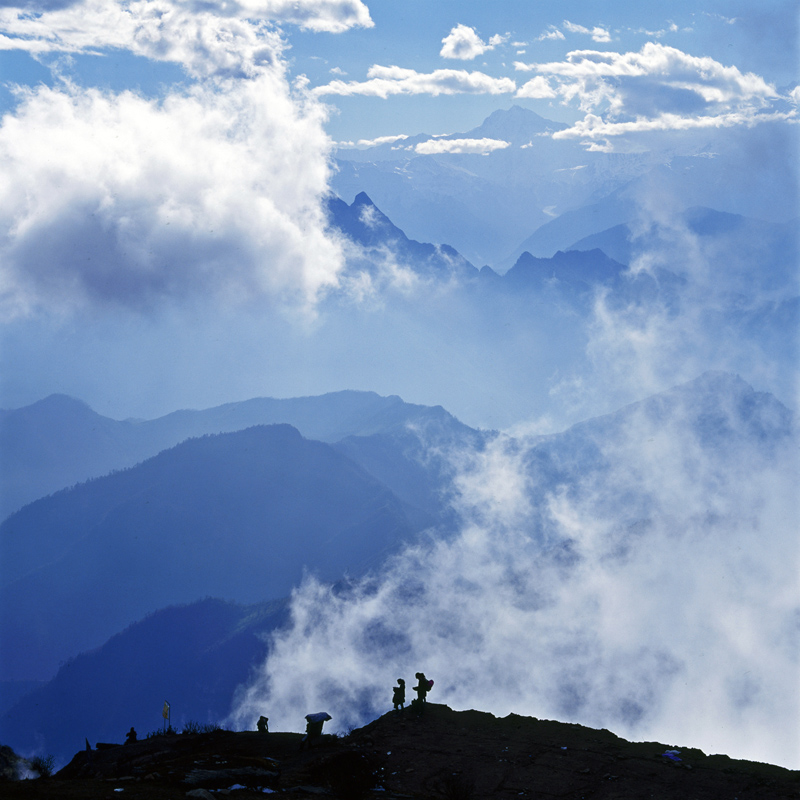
(314, 723)
(422, 688)
(399, 696)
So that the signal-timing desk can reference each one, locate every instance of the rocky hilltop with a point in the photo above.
(441, 753)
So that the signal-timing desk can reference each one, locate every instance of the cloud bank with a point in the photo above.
(216, 190)
(158, 28)
(637, 574)
(117, 199)
(658, 88)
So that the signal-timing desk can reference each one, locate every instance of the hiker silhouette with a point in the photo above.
(399, 696)
(422, 688)
(314, 723)
(130, 738)
(262, 725)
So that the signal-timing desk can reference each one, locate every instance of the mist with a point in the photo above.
(639, 575)
(636, 572)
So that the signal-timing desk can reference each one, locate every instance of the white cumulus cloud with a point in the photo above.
(464, 43)
(90, 24)
(657, 88)
(537, 88)
(118, 199)
(216, 190)
(234, 40)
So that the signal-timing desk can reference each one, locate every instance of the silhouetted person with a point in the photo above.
(422, 688)
(261, 725)
(131, 737)
(399, 696)
(314, 723)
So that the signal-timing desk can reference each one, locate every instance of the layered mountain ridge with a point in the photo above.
(241, 515)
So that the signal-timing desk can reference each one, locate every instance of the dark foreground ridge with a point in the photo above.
(452, 755)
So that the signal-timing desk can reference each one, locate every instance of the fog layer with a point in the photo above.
(637, 573)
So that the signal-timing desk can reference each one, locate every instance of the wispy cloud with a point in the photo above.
(597, 33)
(464, 43)
(481, 146)
(552, 33)
(658, 34)
(721, 18)
(386, 81)
(235, 40)
(376, 142)
(87, 25)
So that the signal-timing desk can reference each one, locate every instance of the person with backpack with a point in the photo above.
(423, 687)
(314, 723)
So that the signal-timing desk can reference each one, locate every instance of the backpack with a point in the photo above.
(430, 685)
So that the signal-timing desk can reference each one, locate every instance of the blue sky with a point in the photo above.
(755, 38)
(165, 160)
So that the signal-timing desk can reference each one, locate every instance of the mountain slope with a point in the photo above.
(193, 656)
(238, 516)
(441, 753)
(363, 223)
(59, 441)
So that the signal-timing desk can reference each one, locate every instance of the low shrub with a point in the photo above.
(43, 765)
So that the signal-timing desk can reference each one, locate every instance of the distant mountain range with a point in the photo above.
(481, 205)
(60, 441)
(762, 255)
(543, 302)
(238, 515)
